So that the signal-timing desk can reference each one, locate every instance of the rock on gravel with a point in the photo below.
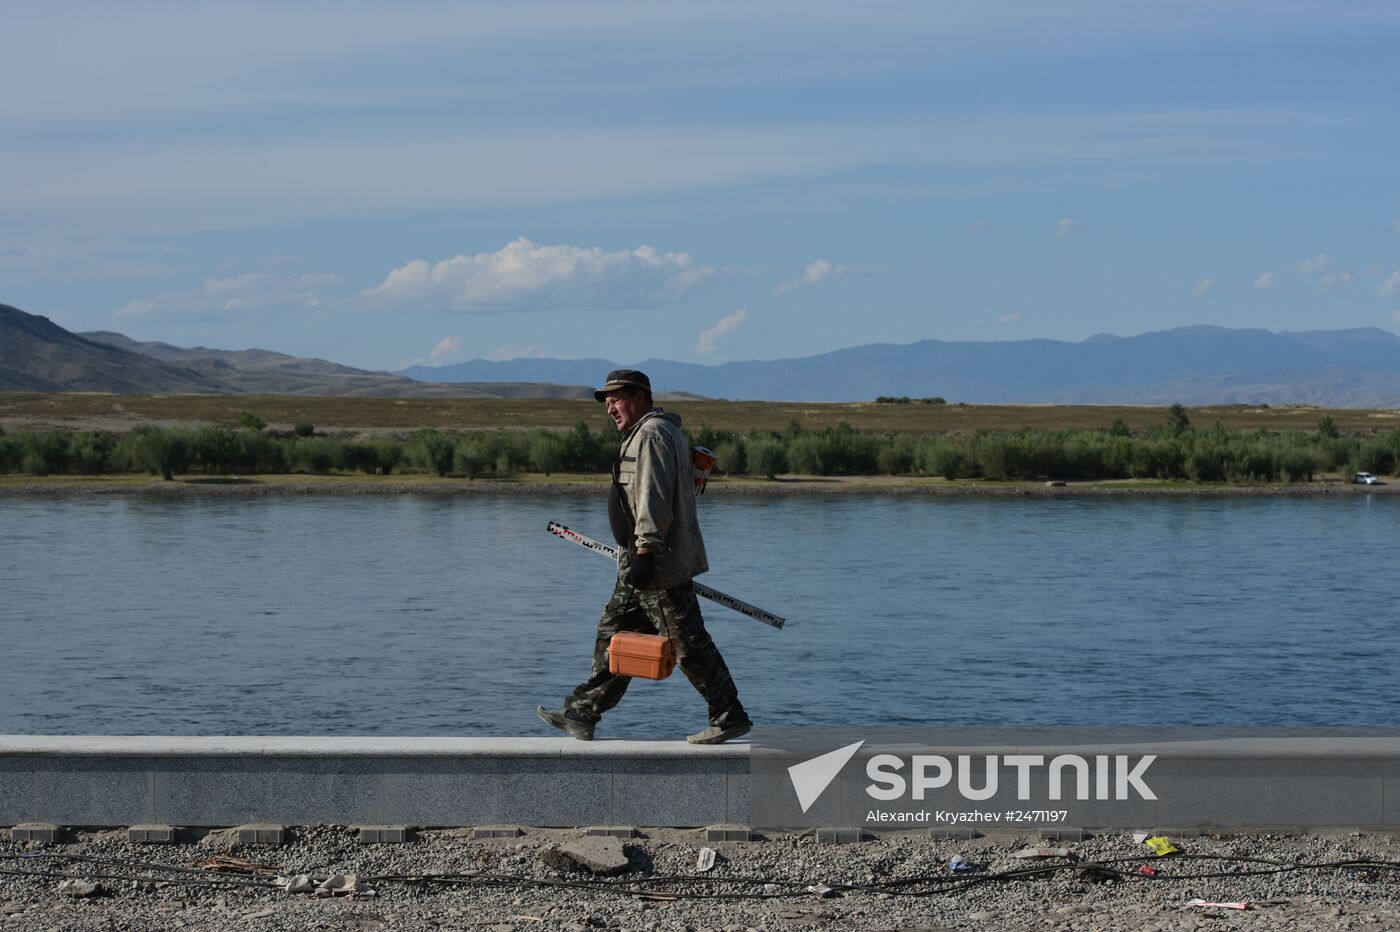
(599, 855)
(79, 889)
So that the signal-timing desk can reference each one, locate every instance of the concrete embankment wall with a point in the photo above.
(559, 782)
(213, 781)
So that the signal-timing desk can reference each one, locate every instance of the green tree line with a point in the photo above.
(248, 449)
(1176, 451)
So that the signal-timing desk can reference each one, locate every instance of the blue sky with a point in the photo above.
(421, 183)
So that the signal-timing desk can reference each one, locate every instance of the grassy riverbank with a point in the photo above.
(1169, 446)
(385, 416)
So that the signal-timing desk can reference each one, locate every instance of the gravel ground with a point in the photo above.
(771, 877)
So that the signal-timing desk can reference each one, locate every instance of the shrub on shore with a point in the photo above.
(1171, 452)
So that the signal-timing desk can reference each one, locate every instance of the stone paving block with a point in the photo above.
(46, 832)
(736, 794)
(468, 792)
(1066, 833)
(206, 791)
(614, 831)
(675, 791)
(322, 792)
(953, 834)
(385, 834)
(262, 833)
(105, 793)
(152, 834)
(728, 831)
(1333, 794)
(558, 792)
(497, 831)
(838, 836)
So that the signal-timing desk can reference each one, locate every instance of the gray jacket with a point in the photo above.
(657, 480)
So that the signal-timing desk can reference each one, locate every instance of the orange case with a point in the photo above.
(650, 656)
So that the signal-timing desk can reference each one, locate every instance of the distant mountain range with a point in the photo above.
(1357, 368)
(1192, 365)
(37, 355)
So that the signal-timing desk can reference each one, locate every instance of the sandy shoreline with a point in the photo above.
(879, 485)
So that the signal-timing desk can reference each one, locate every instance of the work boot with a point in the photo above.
(718, 734)
(571, 726)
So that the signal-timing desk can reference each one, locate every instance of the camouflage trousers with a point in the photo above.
(675, 613)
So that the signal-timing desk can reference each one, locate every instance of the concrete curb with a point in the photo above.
(79, 746)
(220, 781)
(208, 782)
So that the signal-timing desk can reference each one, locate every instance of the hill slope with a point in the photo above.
(1193, 365)
(261, 371)
(37, 355)
(1202, 365)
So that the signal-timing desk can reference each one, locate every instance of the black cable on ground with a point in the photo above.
(942, 884)
(188, 876)
(125, 862)
(186, 882)
(937, 884)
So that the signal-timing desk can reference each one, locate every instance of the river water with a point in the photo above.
(416, 615)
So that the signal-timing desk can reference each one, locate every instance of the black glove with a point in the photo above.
(641, 569)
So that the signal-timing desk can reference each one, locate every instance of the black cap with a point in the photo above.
(623, 378)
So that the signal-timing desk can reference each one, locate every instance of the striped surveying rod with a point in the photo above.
(714, 595)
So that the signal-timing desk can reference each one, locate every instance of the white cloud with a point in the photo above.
(1336, 280)
(448, 349)
(817, 272)
(715, 337)
(512, 351)
(1266, 281)
(1202, 286)
(445, 352)
(1395, 317)
(1315, 265)
(1390, 287)
(525, 276)
(1008, 318)
(247, 292)
(1064, 228)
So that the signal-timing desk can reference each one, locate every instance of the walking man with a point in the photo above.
(651, 508)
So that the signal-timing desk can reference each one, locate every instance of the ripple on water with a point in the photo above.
(401, 615)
